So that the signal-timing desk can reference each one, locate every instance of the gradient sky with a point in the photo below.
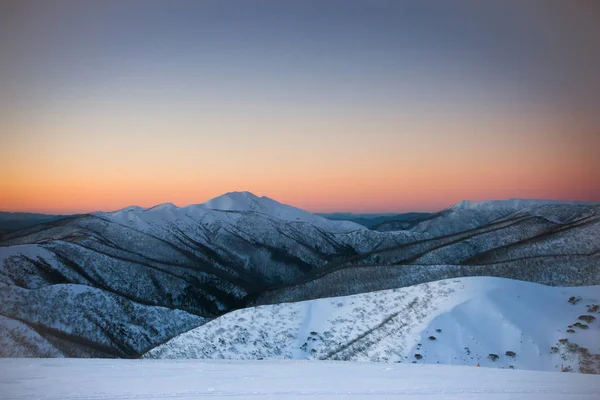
(364, 106)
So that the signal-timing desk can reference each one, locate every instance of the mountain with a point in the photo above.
(235, 203)
(552, 244)
(493, 322)
(467, 215)
(160, 264)
(152, 273)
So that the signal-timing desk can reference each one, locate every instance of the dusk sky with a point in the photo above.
(363, 106)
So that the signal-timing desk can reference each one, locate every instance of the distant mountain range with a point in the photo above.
(380, 221)
(10, 221)
(119, 284)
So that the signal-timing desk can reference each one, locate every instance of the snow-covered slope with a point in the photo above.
(20, 340)
(460, 321)
(78, 320)
(192, 379)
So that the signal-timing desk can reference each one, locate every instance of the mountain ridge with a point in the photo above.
(203, 261)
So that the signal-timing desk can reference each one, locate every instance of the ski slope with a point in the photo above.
(78, 379)
(454, 321)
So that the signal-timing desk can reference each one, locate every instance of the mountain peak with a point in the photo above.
(238, 201)
(463, 204)
(162, 206)
(249, 202)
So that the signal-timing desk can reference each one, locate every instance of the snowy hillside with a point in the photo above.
(460, 321)
(108, 325)
(192, 379)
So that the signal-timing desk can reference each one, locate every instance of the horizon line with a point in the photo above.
(74, 213)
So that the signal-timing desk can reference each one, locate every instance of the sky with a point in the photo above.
(362, 106)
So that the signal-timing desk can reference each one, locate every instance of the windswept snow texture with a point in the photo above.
(459, 321)
(186, 380)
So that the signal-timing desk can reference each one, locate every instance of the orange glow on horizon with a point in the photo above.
(337, 167)
(388, 175)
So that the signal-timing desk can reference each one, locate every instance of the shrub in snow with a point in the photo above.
(493, 357)
(438, 330)
(574, 300)
(593, 308)
(580, 325)
(418, 356)
(587, 318)
(583, 351)
(570, 330)
(432, 338)
(553, 349)
(572, 347)
(510, 354)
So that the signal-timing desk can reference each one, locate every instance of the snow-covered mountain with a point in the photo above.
(167, 269)
(186, 265)
(219, 208)
(552, 244)
(493, 322)
(467, 215)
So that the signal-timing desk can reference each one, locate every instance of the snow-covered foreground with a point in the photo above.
(68, 379)
(495, 322)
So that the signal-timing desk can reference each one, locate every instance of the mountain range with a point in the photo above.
(119, 284)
